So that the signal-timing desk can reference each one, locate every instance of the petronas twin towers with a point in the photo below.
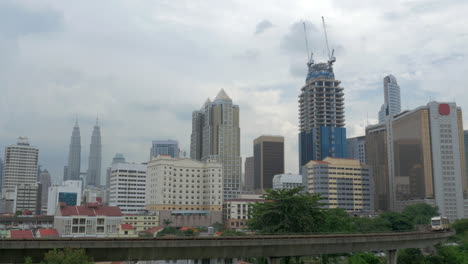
(73, 170)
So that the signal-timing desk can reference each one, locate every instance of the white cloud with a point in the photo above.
(144, 66)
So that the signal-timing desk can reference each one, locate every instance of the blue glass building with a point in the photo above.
(321, 115)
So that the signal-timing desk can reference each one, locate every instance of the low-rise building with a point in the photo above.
(236, 211)
(142, 222)
(8, 222)
(185, 192)
(287, 181)
(47, 233)
(127, 230)
(343, 183)
(91, 220)
(21, 234)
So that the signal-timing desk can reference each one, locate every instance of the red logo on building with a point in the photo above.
(444, 109)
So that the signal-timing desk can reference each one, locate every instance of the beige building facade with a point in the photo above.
(343, 183)
(185, 191)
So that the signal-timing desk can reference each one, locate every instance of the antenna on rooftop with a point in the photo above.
(331, 57)
(310, 59)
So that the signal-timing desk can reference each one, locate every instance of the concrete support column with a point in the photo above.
(274, 260)
(392, 256)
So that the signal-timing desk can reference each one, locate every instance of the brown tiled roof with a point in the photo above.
(94, 211)
(21, 234)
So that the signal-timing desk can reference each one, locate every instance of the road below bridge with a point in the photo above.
(272, 246)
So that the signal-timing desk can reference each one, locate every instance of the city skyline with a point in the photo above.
(262, 67)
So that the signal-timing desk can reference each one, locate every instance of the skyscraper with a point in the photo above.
(392, 103)
(118, 158)
(72, 170)
(321, 115)
(93, 175)
(20, 175)
(20, 164)
(418, 157)
(165, 147)
(268, 160)
(216, 136)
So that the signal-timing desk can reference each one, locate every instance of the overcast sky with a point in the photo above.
(144, 66)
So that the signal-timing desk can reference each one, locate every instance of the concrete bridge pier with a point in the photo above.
(392, 256)
(274, 260)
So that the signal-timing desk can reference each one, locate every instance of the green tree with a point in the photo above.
(398, 221)
(421, 214)
(169, 231)
(460, 226)
(166, 222)
(287, 211)
(337, 220)
(365, 258)
(369, 225)
(410, 256)
(65, 256)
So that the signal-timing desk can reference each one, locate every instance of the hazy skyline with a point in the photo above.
(144, 66)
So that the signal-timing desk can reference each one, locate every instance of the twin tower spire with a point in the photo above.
(73, 169)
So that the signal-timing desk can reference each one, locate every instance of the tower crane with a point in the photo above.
(331, 57)
(310, 58)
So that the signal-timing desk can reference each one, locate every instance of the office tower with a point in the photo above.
(45, 181)
(392, 103)
(343, 183)
(130, 177)
(356, 149)
(268, 160)
(72, 171)
(185, 191)
(68, 193)
(165, 147)
(1, 173)
(321, 115)
(249, 173)
(216, 136)
(424, 161)
(20, 164)
(20, 175)
(287, 181)
(118, 158)
(93, 176)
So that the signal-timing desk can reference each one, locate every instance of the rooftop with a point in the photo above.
(90, 211)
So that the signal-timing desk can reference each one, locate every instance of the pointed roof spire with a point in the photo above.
(222, 96)
(207, 100)
(97, 121)
(76, 121)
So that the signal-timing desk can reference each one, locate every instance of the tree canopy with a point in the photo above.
(287, 211)
(421, 213)
(65, 256)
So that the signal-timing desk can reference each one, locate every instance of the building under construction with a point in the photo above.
(321, 114)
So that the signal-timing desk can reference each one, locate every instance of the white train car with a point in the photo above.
(440, 223)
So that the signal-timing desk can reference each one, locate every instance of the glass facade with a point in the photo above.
(412, 157)
(69, 198)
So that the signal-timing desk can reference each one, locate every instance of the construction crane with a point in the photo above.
(310, 58)
(331, 57)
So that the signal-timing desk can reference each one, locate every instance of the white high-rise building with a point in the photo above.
(216, 136)
(392, 104)
(20, 164)
(20, 175)
(128, 187)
